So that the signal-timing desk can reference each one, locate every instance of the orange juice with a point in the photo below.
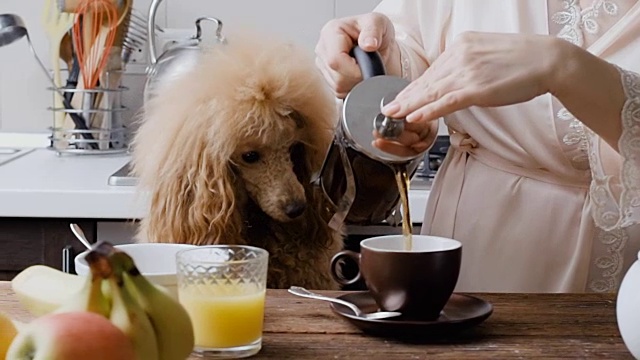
(222, 317)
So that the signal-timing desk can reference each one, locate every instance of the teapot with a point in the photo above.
(358, 178)
(177, 58)
(627, 314)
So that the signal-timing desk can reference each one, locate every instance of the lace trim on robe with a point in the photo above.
(610, 265)
(610, 213)
(575, 20)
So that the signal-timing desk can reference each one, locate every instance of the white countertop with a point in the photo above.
(42, 184)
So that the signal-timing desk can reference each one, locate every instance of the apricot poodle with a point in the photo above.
(228, 153)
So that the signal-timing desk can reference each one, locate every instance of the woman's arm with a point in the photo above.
(488, 70)
(591, 89)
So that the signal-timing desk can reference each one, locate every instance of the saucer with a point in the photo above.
(460, 313)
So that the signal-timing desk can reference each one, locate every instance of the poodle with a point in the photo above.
(228, 154)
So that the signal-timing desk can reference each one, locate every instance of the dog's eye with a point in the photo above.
(251, 157)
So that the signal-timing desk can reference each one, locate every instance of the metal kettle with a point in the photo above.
(358, 178)
(177, 58)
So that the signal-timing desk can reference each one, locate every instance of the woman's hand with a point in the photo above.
(372, 32)
(482, 69)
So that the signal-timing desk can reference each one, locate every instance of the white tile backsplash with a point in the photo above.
(24, 97)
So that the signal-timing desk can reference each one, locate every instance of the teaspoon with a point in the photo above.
(300, 291)
(77, 231)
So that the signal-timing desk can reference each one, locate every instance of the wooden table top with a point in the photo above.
(522, 326)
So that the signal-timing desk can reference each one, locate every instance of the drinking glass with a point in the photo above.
(223, 287)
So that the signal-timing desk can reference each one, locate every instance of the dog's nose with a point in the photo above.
(295, 209)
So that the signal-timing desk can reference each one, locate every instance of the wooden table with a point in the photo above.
(522, 326)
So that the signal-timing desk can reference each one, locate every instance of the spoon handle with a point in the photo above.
(300, 291)
(77, 231)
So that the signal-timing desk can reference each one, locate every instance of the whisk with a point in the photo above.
(93, 36)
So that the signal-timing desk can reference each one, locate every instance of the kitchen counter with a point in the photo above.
(522, 326)
(41, 184)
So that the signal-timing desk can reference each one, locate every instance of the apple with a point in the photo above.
(71, 335)
(8, 331)
(42, 289)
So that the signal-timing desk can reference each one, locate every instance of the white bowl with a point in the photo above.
(156, 261)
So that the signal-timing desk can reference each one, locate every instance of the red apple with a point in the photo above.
(71, 335)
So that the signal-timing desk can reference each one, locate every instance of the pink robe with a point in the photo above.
(538, 201)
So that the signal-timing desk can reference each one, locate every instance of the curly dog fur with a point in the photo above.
(227, 154)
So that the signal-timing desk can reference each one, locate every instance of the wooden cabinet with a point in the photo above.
(30, 241)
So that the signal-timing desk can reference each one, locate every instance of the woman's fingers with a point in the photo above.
(337, 82)
(450, 102)
(373, 32)
(421, 93)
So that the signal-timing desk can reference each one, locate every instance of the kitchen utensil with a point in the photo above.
(358, 178)
(56, 25)
(73, 5)
(177, 59)
(77, 231)
(93, 36)
(136, 36)
(378, 315)
(12, 28)
(111, 76)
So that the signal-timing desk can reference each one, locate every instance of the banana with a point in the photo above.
(128, 316)
(170, 320)
(91, 296)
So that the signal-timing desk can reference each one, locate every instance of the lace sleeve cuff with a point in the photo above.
(629, 147)
(609, 213)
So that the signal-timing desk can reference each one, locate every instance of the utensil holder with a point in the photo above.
(93, 124)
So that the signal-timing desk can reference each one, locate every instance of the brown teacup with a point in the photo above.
(417, 283)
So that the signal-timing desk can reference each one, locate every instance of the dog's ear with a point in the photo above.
(193, 201)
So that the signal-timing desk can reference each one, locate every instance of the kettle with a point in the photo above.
(358, 178)
(177, 58)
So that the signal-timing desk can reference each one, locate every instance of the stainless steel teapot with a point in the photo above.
(177, 58)
(358, 178)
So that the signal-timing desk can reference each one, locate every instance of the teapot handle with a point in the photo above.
(151, 26)
(370, 63)
(218, 23)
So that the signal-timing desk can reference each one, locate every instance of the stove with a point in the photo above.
(433, 158)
